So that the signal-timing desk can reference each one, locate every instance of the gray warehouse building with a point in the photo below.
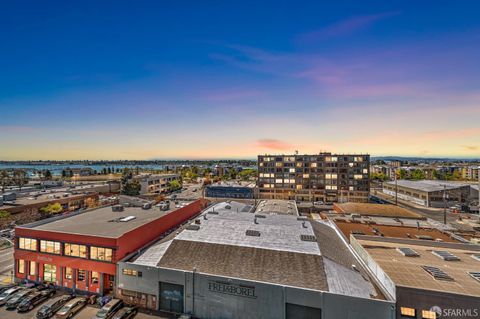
(237, 264)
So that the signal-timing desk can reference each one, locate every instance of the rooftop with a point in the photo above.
(348, 227)
(408, 272)
(102, 222)
(279, 249)
(273, 206)
(375, 210)
(428, 185)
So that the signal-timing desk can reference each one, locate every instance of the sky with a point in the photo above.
(233, 79)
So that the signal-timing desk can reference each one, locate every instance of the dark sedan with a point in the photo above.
(34, 299)
(18, 298)
(126, 313)
(50, 308)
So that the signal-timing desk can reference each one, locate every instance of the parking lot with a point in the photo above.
(87, 312)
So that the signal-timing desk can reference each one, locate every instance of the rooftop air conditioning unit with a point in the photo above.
(147, 206)
(117, 208)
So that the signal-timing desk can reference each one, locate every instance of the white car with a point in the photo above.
(7, 294)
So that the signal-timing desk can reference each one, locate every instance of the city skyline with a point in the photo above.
(116, 80)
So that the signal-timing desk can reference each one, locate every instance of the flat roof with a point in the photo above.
(408, 272)
(357, 227)
(276, 206)
(282, 249)
(368, 209)
(427, 185)
(392, 221)
(101, 222)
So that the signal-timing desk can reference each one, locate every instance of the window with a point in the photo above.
(75, 250)
(68, 273)
(427, 314)
(100, 253)
(32, 269)
(49, 273)
(81, 275)
(407, 312)
(130, 272)
(358, 176)
(27, 243)
(94, 277)
(313, 164)
(51, 247)
(21, 266)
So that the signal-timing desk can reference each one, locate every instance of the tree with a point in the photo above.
(129, 186)
(20, 178)
(51, 209)
(5, 179)
(64, 173)
(47, 174)
(402, 174)
(174, 185)
(378, 177)
(4, 214)
(417, 174)
(248, 173)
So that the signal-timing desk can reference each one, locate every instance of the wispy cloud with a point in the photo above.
(471, 147)
(344, 27)
(274, 144)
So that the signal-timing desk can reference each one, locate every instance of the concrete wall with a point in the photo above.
(412, 199)
(263, 300)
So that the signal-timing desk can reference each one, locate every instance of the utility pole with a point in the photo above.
(396, 188)
(444, 204)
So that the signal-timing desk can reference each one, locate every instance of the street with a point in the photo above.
(6, 265)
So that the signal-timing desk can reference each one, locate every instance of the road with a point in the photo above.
(6, 265)
(435, 214)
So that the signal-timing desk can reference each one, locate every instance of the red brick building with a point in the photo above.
(80, 251)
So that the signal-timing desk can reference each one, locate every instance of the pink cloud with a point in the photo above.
(344, 27)
(274, 144)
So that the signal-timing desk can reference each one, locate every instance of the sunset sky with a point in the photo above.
(233, 79)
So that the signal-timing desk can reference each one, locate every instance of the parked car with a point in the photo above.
(71, 308)
(318, 203)
(9, 293)
(5, 288)
(107, 311)
(126, 313)
(33, 299)
(13, 302)
(51, 307)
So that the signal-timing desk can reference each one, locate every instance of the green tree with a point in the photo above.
(47, 175)
(378, 177)
(248, 173)
(417, 174)
(4, 214)
(51, 209)
(402, 174)
(174, 185)
(131, 188)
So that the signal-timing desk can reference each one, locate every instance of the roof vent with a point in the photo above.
(251, 232)
(127, 219)
(407, 252)
(192, 227)
(304, 225)
(260, 216)
(228, 207)
(308, 238)
(117, 208)
(205, 217)
(357, 232)
(475, 275)
(212, 213)
(424, 237)
(445, 255)
(197, 221)
(302, 218)
(147, 206)
(437, 273)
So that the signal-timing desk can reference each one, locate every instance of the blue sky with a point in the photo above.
(215, 79)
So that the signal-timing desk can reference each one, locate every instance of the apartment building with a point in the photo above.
(320, 177)
(155, 183)
(470, 172)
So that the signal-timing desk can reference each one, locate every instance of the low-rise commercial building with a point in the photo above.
(235, 264)
(317, 177)
(428, 193)
(230, 190)
(155, 183)
(80, 251)
(428, 279)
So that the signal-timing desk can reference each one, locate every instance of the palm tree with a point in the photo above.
(4, 179)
